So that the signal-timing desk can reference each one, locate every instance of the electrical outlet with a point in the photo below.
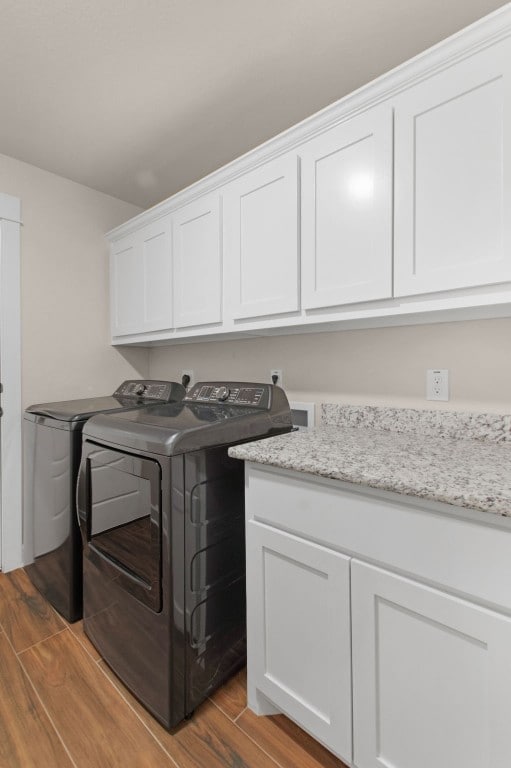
(437, 384)
(278, 373)
(188, 372)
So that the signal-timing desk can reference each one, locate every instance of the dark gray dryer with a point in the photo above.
(162, 511)
(52, 451)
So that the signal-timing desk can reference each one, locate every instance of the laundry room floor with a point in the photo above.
(60, 705)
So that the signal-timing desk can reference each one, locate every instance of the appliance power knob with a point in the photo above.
(141, 388)
(223, 393)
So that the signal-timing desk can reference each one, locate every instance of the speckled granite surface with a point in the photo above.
(474, 473)
(455, 424)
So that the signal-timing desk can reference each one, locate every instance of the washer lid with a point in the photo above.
(190, 426)
(80, 410)
(133, 393)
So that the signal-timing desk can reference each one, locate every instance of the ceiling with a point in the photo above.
(139, 98)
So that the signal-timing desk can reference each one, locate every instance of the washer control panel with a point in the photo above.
(231, 393)
(143, 389)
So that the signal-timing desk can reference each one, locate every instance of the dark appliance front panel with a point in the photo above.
(172, 659)
(135, 637)
(215, 570)
(51, 460)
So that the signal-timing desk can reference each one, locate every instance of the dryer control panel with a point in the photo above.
(231, 392)
(148, 389)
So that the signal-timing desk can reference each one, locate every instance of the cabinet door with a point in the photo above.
(453, 177)
(299, 632)
(197, 258)
(261, 240)
(347, 212)
(126, 275)
(140, 280)
(431, 677)
(156, 257)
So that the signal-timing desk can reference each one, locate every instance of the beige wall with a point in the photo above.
(384, 366)
(64, 284)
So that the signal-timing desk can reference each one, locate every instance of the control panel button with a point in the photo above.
(222, 393)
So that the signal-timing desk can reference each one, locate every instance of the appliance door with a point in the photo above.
(119, 512)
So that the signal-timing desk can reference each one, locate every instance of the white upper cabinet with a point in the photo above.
(156, 255)
(347, 212)
(125, 277)
(197, 257)
(140, 278)
(261, 240)
(453, 177)
(389, 206)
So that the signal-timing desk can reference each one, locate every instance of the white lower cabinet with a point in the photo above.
(431, 677)
(299, 632)
(387, 671)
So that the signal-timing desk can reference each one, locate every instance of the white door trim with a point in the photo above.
(10, 376)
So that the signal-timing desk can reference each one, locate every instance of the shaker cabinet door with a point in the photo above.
(347, 212)
(299, 632)
(156, 256)
(140, 280)
(453, 177)
(261, 241)
(431, 676)
(197, 256)
(126, 275)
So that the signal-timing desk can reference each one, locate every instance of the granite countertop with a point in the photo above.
(417, 453)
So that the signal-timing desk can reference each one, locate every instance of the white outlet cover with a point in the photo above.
(437, 384)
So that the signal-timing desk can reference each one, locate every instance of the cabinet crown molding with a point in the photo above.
(479, 35)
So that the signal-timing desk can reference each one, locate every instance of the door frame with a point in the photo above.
(10, 372)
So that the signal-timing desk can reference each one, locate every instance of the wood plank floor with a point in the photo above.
(61, 706)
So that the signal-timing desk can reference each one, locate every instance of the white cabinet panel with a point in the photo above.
(453, 177)
(261, 240)
(156, 256)
(347, 212)
(125, 280)
(431, 677)
(197, 254)
(299, 632)
(140, 280)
